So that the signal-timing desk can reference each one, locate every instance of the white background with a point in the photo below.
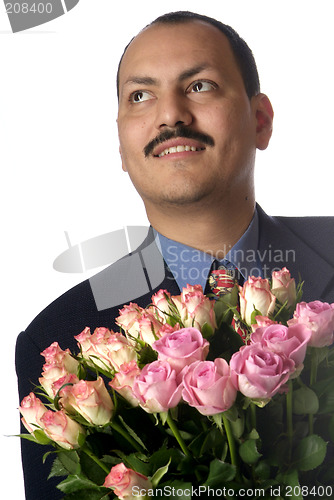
(59, 149)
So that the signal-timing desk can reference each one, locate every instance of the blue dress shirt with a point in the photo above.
(191, 266)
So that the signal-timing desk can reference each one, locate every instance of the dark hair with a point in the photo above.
(240, 49)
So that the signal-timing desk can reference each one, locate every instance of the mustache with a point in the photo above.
(180, 131)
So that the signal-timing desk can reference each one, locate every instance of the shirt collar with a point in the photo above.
(191, 266)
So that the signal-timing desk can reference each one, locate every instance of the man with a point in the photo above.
(191, 117)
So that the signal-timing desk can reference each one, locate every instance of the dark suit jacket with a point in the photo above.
(304, 245)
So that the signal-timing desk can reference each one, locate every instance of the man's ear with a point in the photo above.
(264, 119)
(123, 165)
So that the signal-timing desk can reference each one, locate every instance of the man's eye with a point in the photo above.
(140, 96)
(201, 86)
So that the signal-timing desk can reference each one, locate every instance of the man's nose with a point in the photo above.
(172, 110)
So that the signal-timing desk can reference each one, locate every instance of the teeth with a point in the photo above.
(178, 149)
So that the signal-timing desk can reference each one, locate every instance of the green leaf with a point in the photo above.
(207, 331)
(249, 452)
(262, 469)
(91, 469)
(147, 355)
(41, 437)
(325, 393)
(138, 462)
(57, 469)
(220, 473)
(77, 482)
(70, 461)
(291, 479)
(238, 427)
(305, 401)
(255, 313)
(28, 437)
(309, 453)
(132, 433)
(159, 474)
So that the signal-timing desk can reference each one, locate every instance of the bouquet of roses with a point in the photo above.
(195, 397)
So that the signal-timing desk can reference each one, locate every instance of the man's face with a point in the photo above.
(187, 129)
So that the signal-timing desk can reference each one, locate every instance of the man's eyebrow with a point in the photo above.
(188, 73)
(148, 80)
(141, 80)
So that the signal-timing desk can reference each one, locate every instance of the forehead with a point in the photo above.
(160, 48)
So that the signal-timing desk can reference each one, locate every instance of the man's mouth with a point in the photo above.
(179, 140)
(178, 149)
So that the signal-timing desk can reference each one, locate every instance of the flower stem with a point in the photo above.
(177, 435)
(253, 415)
(231, 445)
(313, 379)
(289, 416)
(116, 427)
(103, 466)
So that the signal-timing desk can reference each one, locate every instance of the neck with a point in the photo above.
(214, 230)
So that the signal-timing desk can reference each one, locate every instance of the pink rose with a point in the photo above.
(195, 308)
(259, 373)
(129, 315)
(147, 328)
(262, 321)
(161, 301)
(90, 399)
(139, 323)
(32, 409)
(61, 429)
(283, 287)
(182, 348)
(319, 318)
(58, 364)
(50, 375)
(127, 483)
(54, 355)
(105, 349)
(256, 294)
(70, 378)
(290, 341)
(156, 387)
(124, 379)
(207, 386)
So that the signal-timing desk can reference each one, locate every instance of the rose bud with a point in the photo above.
(284, 287)
(61, 429)
(256, 294)
(127, 483)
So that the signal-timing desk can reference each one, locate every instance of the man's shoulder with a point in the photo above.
(319, 225)
(316, 232)
(66, 315)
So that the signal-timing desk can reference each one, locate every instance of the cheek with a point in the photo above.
(133, 138)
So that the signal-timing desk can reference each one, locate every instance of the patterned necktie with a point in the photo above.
(221, 280)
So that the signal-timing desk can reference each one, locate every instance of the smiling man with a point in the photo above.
(191, 117)
(188, 132)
